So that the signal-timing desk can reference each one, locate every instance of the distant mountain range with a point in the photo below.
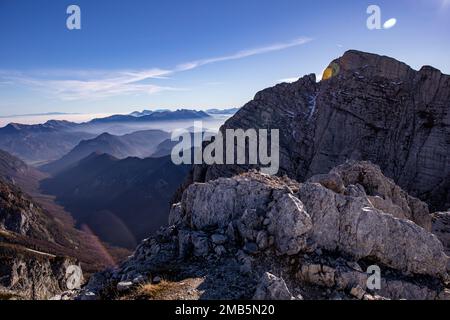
(208, 111)
(48, 127)
(222, 111)
(149, 116)
(40, 144)
(165, 147)
(138, 144)
(99, 178)
(146, 112)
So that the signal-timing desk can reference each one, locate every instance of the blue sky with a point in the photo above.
(139, 54)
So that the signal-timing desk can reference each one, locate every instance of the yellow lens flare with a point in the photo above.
(331, 71)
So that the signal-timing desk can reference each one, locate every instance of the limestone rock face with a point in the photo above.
(382, 192)
(290, 223)
(357, 210)
(323, 233)
(28, 267)
(35, 276)
(20, 215)
(353, 226)
(441, 228)
(370, 107)
(246, 201)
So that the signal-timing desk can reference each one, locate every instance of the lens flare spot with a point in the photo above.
(390, 23)
(331, 71)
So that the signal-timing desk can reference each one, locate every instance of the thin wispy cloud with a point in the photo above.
(90, 84)
(97, 84)
(243, 54)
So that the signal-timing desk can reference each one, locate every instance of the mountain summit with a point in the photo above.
(367, 107)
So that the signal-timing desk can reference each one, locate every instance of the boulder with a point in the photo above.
(382, 192)
(352, 225)
(317, 274)
(200, 244)
(124, 286)
(245, 201)
(218, 239)
(290, 224)
(358, 292)
(271, 287)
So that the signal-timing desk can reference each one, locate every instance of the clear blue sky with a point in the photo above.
(139, 54)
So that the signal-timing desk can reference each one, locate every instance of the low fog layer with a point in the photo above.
(211, 124)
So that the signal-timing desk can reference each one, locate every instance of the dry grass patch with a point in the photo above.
(155, 291)
(186, 289)
(9, 296)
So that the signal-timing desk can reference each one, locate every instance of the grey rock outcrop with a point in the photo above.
(370, 107)
(441, 228)
(271, 287)
(350, 222)
(35, 276)
(32, 263)
(245, 201)
(353, 226)
(20, 215)
(382, 192)
(319, 235)
(290, 224)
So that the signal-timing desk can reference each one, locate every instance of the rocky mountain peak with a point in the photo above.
(105, 136)
(371, 64)
(367, 107)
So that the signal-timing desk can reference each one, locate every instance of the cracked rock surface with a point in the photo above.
(255, 236)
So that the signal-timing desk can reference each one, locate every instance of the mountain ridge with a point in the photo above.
(137, 144)
(366, 107)
(39, 144)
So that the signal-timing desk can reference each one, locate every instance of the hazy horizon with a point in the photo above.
(38, 119)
